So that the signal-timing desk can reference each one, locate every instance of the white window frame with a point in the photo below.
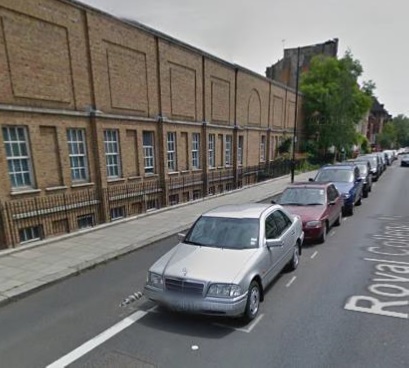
(211, 150)
(18, 157)
(171, 151)
(228, 143)
(148, 152)
(77, 153)
(196, 151)
(262, 148)
(112, 154)
(117, 213)
(240, 147)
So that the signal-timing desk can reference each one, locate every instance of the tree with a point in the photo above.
(333, 101)
(388, 138)
(401, 123)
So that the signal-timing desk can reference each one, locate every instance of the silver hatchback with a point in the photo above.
(226, 260)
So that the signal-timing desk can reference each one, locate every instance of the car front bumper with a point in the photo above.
(201, 305)
(313, 233)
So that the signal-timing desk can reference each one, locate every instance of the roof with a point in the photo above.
(246, 210)
(309, 184)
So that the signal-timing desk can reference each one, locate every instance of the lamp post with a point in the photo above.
(295, 114)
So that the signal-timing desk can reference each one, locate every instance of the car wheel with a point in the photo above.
(338, 220)
(366, 193)
(323, 236)
(253, 301)
(359, 202)
(295, 260)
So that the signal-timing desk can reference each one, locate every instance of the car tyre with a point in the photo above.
(253, 302)
(338, 220)
(359, 202)
(323, 236)
(295, 260)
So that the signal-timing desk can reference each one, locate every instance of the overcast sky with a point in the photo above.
(253, 33)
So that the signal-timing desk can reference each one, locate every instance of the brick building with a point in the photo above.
(103, 118)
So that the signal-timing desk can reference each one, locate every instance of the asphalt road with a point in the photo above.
(347, 305)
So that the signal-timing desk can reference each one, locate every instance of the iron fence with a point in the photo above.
(42, 217)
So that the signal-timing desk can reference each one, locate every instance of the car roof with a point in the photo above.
(309, 184)
(246, 210)
(339, 166)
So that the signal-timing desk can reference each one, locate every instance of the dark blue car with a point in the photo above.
(348, 181)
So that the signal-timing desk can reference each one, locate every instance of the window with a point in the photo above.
(195, 150)
(240, 150)
(282, 221)
(271, 228)
(263, 148)
(85, 221)
(77, 153)
(18, 157)
(30, 234)
(171, 151)
(173, 199)
(151, 204)
(148, 153)
(117, 213)
(197, 194)
(111, 143)
(211, 150)
(228, 152)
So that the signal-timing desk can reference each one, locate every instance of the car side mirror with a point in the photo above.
(359, 179)
(273, 201)
(274, 243)
(310, 179)
(181, 237)
(331, 203)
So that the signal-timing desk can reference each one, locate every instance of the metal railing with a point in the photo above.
(42, 217)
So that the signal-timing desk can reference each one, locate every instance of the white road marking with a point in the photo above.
(246, 330)
(332, 233)
(291, 281)
(345, 218)
(314, 254)
(97, 340)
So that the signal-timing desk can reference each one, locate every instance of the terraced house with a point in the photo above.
(103, 118)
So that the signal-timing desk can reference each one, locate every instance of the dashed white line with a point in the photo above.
(291, 281)
(314, 254)
(97, 340)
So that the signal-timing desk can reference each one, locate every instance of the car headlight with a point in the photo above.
(313, 224)
(224, 290)
(155, 280)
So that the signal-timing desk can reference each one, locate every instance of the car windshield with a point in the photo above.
(303, 197)
(336, 175)
(224, 232)
(363, 168)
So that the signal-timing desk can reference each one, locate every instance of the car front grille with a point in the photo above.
(184, 287)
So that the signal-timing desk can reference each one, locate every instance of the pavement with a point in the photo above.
(25, 269)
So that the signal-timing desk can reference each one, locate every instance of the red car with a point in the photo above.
(318, 204)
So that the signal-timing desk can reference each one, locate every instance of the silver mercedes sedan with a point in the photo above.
(226, 260)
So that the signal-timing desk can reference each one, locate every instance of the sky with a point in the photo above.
(254, 33)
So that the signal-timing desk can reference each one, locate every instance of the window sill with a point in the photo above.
(79, 185)
(51, 189)
(135, 178)
(185, 171)
(25, 191)
(151, 175)
(115, 180)
(173, 173)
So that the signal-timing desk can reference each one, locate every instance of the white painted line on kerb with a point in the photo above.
(291, 281)
(97, 340)
(314, 254)
(345, 218)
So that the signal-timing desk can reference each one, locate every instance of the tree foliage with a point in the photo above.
(388, 138)
(334, 103)
(401, 124)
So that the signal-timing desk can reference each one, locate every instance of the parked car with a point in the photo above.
(347, 180)
(318, 204)
(226, 260)
(404, 160)
(366, 175)
(376, 167)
